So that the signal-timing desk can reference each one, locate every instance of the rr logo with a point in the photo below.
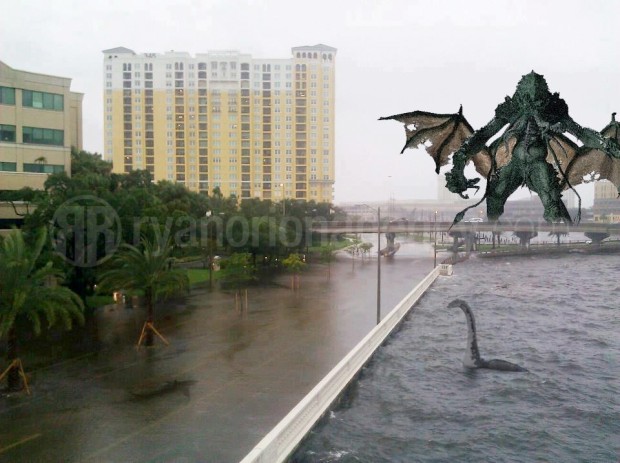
(85, 231)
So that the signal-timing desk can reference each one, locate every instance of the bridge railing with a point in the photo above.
(498, 227)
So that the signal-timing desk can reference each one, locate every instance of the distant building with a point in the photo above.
(255, 128)
(40, 120)
(517, 210)
(424, 210)
(569, 198)
(604, 189)
(606, 207)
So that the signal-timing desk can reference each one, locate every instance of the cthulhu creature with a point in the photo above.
(532, 151)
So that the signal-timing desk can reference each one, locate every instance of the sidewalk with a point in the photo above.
(237, 374)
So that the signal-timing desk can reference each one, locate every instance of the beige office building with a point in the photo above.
(606, 207)
(604, 189)
(255, 128)
(40, 120)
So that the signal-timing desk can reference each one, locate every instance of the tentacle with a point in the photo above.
(461, 214)
(492, 170)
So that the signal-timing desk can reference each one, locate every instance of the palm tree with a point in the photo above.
(327, 256)
(294, 264)
(558, 234)
(146, 269)
(28, 290)
(238, 273)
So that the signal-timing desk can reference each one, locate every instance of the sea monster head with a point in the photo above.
(456, 303)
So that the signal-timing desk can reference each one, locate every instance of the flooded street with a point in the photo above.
(225, 380)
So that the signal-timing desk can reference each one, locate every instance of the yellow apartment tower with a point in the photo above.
(40, 120)
(255, 128)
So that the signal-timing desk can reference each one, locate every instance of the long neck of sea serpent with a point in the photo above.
(472, 342)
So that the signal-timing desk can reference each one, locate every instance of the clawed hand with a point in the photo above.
(612, 147)
(457, 183)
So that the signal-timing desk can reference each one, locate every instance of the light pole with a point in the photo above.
(435, 243)
(211, 242)
(283, 200)
(378, 260)
(378, 265)
(210, 249)
(390, 200)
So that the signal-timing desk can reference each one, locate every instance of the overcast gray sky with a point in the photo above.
(393, 57)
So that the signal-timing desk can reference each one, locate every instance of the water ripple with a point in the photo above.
(416, 403)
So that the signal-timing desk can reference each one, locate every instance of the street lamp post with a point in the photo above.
(378, 265)
(211, 244)
(378, 259)
(210, 248)
(435, 243)
(283, 200)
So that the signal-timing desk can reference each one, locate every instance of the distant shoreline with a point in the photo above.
(605, 248)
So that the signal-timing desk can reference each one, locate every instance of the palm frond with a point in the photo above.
(26, 289)
(146, 268)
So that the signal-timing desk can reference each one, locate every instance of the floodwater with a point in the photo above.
(414, 402)
(224, 382)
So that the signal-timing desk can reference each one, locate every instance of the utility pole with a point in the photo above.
(435, 243)
(378, 265)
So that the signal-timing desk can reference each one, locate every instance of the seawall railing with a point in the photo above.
(282, 440)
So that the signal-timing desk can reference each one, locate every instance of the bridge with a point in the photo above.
(338, 227)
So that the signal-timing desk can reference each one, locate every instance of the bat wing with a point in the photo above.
(502, 150)
(609, 168)
(584, 165)
(561, 154)
(590, 165)
(445, 132)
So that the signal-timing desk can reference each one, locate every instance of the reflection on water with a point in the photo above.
(414, 402)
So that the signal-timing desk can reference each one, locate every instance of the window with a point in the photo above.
(7, 95)
(44, 168)
(7, 133)
(42, 100)
(8, 166)
(40, 136)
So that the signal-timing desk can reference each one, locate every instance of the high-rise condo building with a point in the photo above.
(40, 120)
(255, 128)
